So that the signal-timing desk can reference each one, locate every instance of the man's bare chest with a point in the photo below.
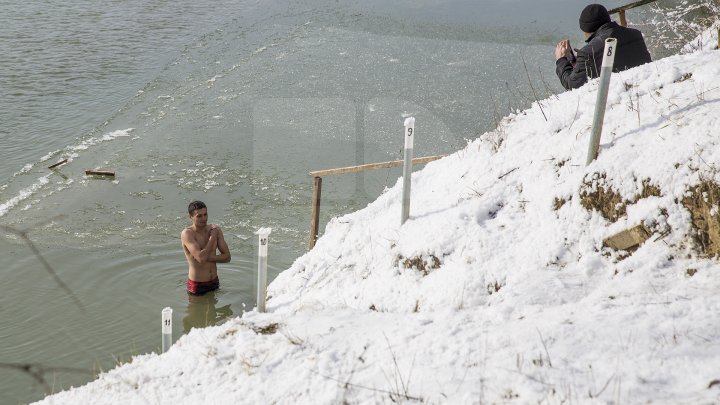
(201, 238)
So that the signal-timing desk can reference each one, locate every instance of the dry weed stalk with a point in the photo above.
(533, 88)
(38, 371)
(23, 234)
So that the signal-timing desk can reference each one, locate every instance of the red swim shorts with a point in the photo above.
(201, 287)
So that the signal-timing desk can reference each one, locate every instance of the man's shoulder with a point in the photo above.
(592, 46)
(618, 31)
(187, 232)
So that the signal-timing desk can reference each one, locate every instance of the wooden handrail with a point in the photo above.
(373, 166)
(621, 10)
(317, 185)
(629, 6)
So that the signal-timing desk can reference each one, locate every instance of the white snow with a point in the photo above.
(488, 293)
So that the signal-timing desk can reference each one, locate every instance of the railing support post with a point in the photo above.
(623, 21)
(622, 9)
(315, 217)
(317, 185)
(601, 101)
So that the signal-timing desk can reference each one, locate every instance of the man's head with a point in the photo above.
(593, 17)
(197, 211)
(195, 205)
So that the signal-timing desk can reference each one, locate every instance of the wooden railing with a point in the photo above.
(317, 185)
(621, 10)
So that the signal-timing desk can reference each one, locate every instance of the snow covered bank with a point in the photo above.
(498, 289)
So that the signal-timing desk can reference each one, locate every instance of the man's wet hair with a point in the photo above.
(195, 205)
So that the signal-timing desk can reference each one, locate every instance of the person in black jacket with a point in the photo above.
(574, 71)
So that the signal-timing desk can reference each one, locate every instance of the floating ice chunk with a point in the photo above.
(23, 195)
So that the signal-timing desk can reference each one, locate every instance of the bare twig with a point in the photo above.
(398, 375)
(62, 162)
(547, 87)
(518, 93)
(545, 347)
(597, 394)
(496, 115)
(637, 95)
(712, 167)
(577, 108)
(533, 88)
(349, 384)
(501, 176)
(528, 376)
(37, 371)
(23, 234)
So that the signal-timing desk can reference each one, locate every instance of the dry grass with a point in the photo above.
(421, 264)
(267, 329)
(494, 287)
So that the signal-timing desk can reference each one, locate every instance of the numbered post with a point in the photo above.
(166, 328)
(263, 240)
(601, 101)
(407, 167)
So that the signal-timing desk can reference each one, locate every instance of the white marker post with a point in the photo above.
(407, 167)
(601, 101)
(166, 328)
(263, 234)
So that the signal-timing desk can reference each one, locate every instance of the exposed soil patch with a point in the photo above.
(648, 190)
(702, 202)
(598, 196)
(602, 199)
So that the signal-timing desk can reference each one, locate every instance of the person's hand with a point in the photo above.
(562, 49)
(214, 230)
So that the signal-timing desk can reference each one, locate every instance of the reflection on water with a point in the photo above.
(202, 311)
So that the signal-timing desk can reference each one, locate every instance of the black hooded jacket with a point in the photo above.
(631, 52)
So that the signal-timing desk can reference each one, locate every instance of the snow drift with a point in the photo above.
(499, 288)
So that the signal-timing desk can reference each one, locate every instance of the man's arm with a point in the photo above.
(200, 254)
(224, 256)
(571, 77)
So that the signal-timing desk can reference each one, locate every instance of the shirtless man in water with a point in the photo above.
(201, 242)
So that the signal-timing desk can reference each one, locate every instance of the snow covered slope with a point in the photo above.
(499, 288)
